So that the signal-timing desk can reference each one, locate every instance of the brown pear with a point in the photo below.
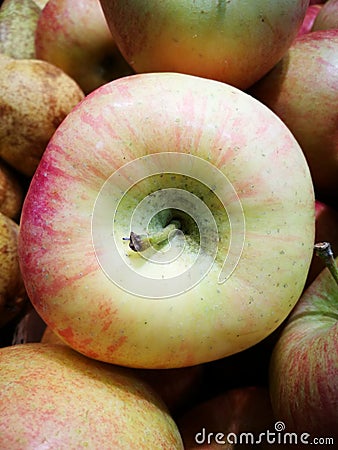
(12, 292)
(11, 192)
(18, 21)
(35, 97)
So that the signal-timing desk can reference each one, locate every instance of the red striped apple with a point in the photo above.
(232, 41)
(304, 363)
(310, 16)
(170, 223)
(175, 386)
(74, 36)
(302, 89)
(53, 397)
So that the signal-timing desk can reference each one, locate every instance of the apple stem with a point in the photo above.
(140, 242)
(324, 251)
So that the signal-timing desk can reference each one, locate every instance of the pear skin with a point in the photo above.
(35, 97)
(18, 22)
(11, 192)
(13, 297)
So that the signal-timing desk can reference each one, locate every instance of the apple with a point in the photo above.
(74, 36)
(233, 42)
(53, 397)
(326, 229)
(11, 192)
(29, 327)
(177, 387)
(217, 195)
(234, 417)
(304, 363)
(310, 16)
(12, 292)
(35, 97)
(302, 90)
(328, 17)
(49, 337)
(232, 371)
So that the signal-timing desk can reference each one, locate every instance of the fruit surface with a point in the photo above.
(52, 397)
(74, 36)
(95, 292)
(232, 41)
(302, 89)
(304, 363)
(35, 97)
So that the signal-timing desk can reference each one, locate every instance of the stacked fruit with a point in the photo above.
(165, 171)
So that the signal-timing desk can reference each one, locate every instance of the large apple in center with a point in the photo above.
(169, 223)
(236, 41)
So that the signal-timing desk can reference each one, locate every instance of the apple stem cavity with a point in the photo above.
(140, 242)
(324, 251)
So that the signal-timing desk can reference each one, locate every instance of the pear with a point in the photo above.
(13, 297)
(18, 21)
(11, 192)
(35, 97)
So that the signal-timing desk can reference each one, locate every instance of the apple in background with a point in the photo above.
(177, 387)
(73, 35)
(18, 22)
(310, 16)
(13, 297)
(53, 397)
(29, 327)
(232, 371)
(153, 126)
(226, 41)
(302, 90)
(35, 97)
(217, 422)
(11, 192)
(304, 363)
(326, 230)
(49, 337)
(328, 17)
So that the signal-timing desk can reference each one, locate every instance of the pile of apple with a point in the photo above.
(105, 104)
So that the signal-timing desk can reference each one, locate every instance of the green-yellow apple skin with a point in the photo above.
(53, 397)
(175, 115)
(235, 41)
(74, 35)
(302, 89)
(304, 363)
